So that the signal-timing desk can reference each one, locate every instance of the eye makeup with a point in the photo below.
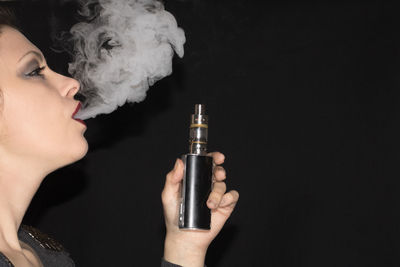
(31, 69)
(31, 65)
(36, 72)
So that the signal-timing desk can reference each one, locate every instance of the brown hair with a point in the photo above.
(7, 16)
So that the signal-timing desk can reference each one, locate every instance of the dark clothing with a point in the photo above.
(168, 264)
(50, 252)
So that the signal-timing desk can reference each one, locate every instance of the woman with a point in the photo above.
(38, 135)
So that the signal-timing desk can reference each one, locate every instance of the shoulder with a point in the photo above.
(31, 235)
(40, 246)
(46, 249)
(4, 262)
(49, 251)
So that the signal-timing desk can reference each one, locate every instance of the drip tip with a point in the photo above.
(199, 109)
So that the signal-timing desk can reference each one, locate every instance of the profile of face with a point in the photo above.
(36, 107)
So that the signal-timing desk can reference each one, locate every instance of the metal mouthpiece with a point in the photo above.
(199, 109)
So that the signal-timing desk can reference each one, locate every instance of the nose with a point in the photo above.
(69, 87)
(73, 87)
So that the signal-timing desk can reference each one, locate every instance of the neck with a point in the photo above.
(18, 184)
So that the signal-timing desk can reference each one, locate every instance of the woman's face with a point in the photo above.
(36, 106)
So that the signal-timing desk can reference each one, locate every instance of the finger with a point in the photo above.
(219, 173)
(173, 179)
(216, 195)
(229, 199)
(218, 157)
(220, 215)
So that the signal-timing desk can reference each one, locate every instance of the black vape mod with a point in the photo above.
(197, 181)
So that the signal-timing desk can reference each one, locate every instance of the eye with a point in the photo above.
(36, 73)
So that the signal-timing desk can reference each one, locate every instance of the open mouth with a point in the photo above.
(78, 107)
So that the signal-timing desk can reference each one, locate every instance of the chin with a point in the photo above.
(82, 151)
(76, 153)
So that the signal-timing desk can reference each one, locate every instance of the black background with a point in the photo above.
(303, 99)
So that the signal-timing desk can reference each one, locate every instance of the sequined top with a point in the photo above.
(50, 252)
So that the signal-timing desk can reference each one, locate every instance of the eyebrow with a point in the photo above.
(37, 54)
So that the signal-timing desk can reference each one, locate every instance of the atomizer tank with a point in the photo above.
(197, 181)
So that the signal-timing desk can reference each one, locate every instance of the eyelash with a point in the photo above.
(37, 72)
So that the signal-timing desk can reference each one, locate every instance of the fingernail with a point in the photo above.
(212, 204)
(222, 202)
(176, 164)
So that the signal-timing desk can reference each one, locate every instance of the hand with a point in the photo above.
(188, 248)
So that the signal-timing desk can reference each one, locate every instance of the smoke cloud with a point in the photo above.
(122, 48)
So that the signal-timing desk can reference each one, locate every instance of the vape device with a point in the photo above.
(197, 181)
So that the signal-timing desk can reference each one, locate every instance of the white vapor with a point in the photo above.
(125, 47)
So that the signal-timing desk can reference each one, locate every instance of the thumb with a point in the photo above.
(173, 180)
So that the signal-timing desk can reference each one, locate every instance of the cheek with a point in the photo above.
(34, 123)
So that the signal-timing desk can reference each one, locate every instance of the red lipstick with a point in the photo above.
(78, 107)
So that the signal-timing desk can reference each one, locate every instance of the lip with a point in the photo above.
(78, 107)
